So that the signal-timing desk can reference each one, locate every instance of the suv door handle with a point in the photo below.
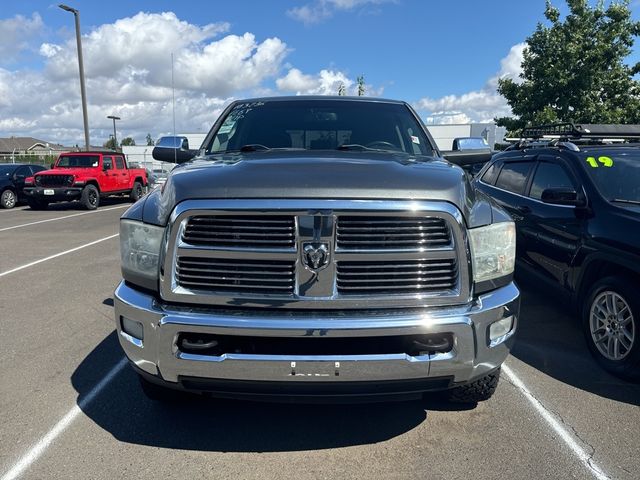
(523, 209)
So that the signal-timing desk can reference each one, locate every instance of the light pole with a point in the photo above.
(83, 92)
(115, 140)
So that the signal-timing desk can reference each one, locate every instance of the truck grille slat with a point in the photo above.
(391, 233)
(236, 275)
(363, 277)
(240, 231)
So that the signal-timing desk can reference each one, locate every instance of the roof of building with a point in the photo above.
(9, 144)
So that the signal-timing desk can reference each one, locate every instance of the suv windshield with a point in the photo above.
(615, 172)
(78, 161)
(320, 125)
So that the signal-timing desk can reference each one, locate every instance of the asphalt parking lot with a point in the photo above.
(70, 407)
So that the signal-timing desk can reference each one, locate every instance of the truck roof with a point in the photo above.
(342, 98)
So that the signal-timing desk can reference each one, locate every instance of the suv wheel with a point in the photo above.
(611, 322)
(90, 198)
(8, 199)
(136, 191)
(476, 391)
(36, 204)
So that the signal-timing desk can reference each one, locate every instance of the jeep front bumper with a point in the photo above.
(155, 351)
(53, 194)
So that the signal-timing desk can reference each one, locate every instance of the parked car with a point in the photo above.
(12, 178)
(577, 213)
(85, 176)
(316, 247)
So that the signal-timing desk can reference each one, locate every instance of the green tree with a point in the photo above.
(361, 86)
(127, 142)
(109, 144)
(574, 69)
(342, 91)
(150, 141)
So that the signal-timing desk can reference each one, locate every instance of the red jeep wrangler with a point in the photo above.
(86, 176)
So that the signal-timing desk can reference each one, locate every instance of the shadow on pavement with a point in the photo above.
(76, 205)
(550, 339)
(206, 424)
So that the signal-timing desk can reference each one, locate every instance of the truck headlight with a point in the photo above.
(493, 251)
(140, 252)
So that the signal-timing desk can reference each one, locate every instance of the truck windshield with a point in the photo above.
(616, 173)
(78, 161)
(320, 125)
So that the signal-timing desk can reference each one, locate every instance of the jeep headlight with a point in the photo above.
(493, 251)
(140, 252)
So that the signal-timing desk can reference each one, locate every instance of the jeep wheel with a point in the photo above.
(90, 198)
(476, 391)
(611, 323)
(8, 199)
(36, 204)
(136, 191)
(158, 393)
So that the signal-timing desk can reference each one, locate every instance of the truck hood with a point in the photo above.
(343, 175)
(78, 172)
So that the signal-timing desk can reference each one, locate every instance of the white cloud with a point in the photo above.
(319, 10)
(16, 34)
(478, 105)
(128, 73)
(326, 82)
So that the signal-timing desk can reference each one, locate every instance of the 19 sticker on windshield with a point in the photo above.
(605, 161)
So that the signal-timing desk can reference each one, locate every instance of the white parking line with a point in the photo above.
(41, 446)
(567, 437)
(62, 218)
(51, 257)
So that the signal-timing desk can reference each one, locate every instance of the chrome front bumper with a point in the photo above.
(158, 355)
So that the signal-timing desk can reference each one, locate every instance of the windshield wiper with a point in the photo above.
(624, 200)
(356, 147)
(254, 147)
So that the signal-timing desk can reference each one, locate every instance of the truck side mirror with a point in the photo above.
(173, 149)
(52, 166)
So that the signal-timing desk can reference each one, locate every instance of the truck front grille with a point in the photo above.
(240, 231)
(395, 233)
(45, 180)
(238, 275)
(408, 276)
(315, 254)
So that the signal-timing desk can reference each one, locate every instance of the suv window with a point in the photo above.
(513, 176)
(23, 172)
(107, 163)
(119, 162)
(549, 175)
(491, 174)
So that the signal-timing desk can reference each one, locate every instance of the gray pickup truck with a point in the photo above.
(316, 247)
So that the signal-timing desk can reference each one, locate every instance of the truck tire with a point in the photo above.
(36, 204)
(477, 391)
(611, 325)
(90, 198)
(8, 199)
(136, 192)
(158, 393)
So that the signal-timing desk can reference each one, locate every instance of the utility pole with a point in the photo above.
(83, 92)
(115, 140)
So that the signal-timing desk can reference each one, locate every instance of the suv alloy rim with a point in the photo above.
(93, 197)
(9, 198)
(611, 324)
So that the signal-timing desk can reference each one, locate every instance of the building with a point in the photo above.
(14, 149)
(444, 134)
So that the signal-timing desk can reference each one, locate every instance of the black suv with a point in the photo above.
(577, 213)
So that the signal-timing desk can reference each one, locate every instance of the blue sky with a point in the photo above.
(443, 57)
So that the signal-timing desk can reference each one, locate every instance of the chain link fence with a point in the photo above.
(37, 158)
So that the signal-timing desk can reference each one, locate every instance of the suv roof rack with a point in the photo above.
(582, 131)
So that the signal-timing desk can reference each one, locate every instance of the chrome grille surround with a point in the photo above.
(315, 223)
